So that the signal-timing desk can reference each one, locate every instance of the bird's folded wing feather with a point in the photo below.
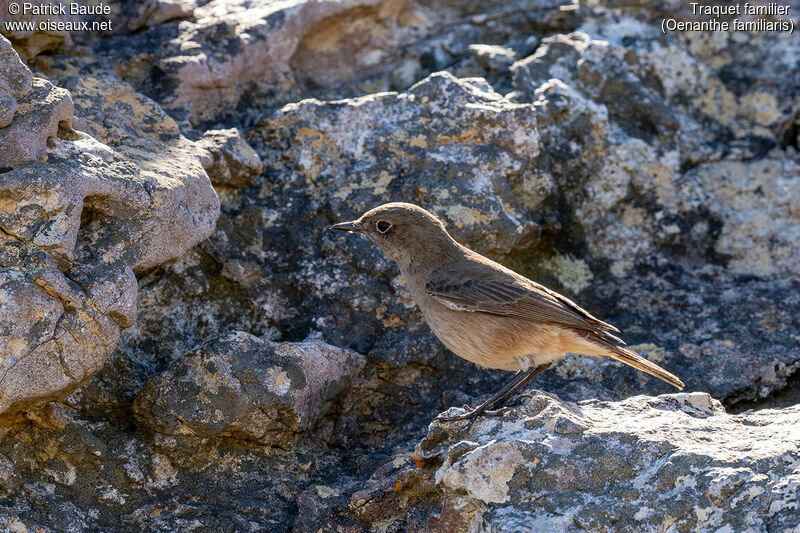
(505, 293)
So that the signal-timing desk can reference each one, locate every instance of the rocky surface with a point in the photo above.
(667, 463)
(215, 360)
(79, 218)
(228, 159)
(241, 386)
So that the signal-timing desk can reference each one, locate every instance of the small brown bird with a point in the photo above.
(483, 311)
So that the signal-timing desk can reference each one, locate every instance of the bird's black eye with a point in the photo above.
(383, 226)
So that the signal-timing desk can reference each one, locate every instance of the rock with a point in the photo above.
(184, 207)
(51, 29)
(493, 58)
(246, 57)
(650, 177)
(107, 473)
(582, 114)
(77, 224)
(760, 217)
(15, 81)
(386, 145)
(45, 109)
(241, 386)
(646, 463)
(134, 16)
(232, 51)
(229, 161)
(31, 111)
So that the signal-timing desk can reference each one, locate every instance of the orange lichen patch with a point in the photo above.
(467, 136)
(418, 141)
(417, 460)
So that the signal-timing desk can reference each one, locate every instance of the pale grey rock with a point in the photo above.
(45, 108)
(453, 145)
(15, 81)
(645, 464)
(74, 231)
(648, 165)
(50, 31)
(134, 16)
(234, 52)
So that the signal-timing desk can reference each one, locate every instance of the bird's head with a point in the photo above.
(403, 231)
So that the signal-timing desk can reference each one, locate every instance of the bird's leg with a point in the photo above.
(520, 380)
(519, 376)
(529, 375)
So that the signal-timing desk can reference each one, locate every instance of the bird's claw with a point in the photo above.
(497, 412)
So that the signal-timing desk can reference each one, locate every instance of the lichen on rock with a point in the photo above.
(184, 346)
(243, 387)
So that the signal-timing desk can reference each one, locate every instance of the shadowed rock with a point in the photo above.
(241, 386)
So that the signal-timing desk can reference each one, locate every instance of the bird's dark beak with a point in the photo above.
(347, 226)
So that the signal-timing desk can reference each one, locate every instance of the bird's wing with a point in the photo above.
(483, 289)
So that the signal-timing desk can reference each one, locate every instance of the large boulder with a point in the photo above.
(243, 387)
(79, 219)
(646, 464)
(15, 82)
(232, 53)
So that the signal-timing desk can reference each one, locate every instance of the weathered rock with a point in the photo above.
(630, 191)
(76, 225)
(44, 109)
(236, 56)
(493, 58)
(259, 49)
(244, 387)
(228, 159)
(83, 474)
(31, 111)
(636, 187)
(644, 464)
(51, 29)
(758, 203)
(453, 145)
(133, 16)
(15, 81)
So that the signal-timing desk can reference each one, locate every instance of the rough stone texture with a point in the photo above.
(134, 16)
(668, 463)
(651, 177)
(31, 110)
(30, 43)
(432, 144)
(232, 57)
(76, 225)
(244, 387)
(228, 159)
(682, 175)
(203, 68)
(44, 109)
(15, 82)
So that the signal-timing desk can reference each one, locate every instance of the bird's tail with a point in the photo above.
(640, 363)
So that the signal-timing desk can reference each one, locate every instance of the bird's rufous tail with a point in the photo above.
(638, 362)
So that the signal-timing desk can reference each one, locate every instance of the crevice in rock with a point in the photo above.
(789, 130)
(786, 396)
